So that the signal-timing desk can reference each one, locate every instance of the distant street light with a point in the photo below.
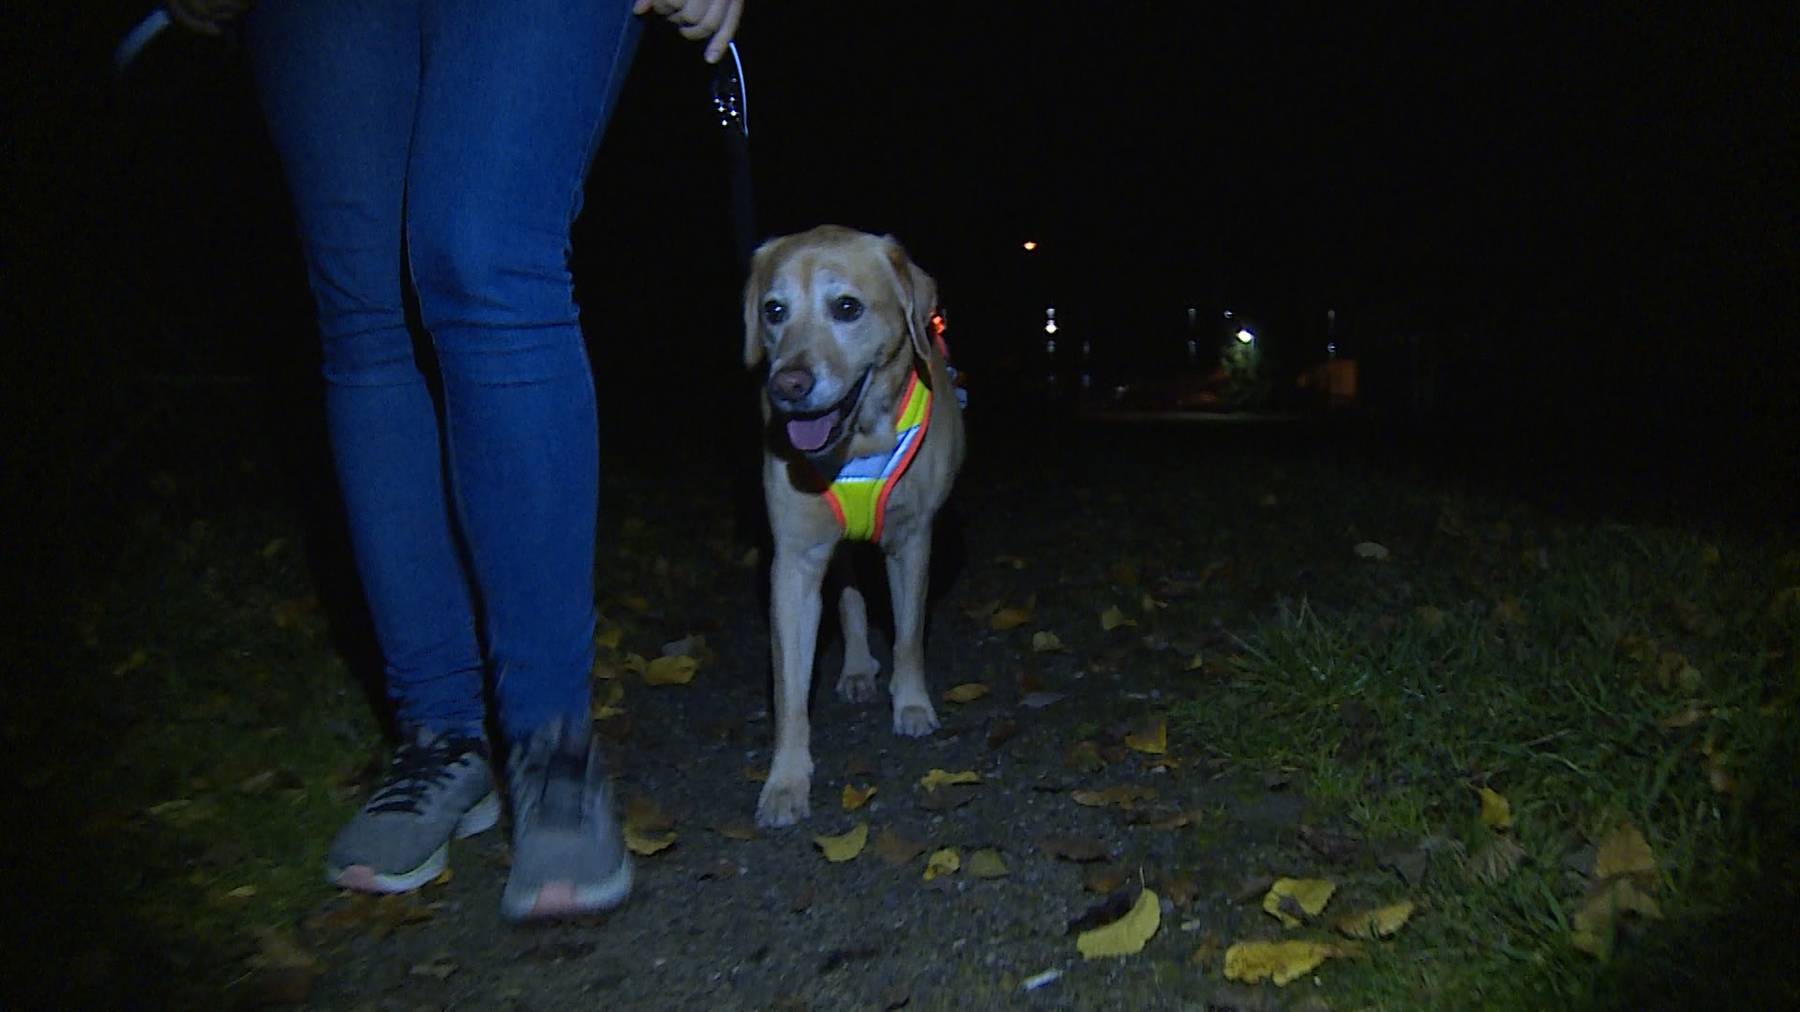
(1245, 337)
(1029, 245)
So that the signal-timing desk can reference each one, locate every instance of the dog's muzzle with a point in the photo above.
(816, 434)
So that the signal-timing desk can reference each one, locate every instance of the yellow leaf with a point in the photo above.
(1112, 618)
(1309, 894)
(1150, 604)
(1598, 916)
(1496, 811)
(670, 671)
(942, 862)
(135, 661)
(609, 636)
(756, 774)
(1282, 962)
(1195, 663)
(242, 892)
(1153, 740)
(646, 842)
(1377, 923)
(1123, 795)
(943, 778)
(1371, 550)
(856, 797)
(1044, 642)
(1624, 852)
(633, 663)
(987, 864)
(273, 548)
(968, 692)
(1126, 935)
(603, 709)
(1009, 618)
(845, 847)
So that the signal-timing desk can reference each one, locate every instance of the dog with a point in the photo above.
(864, 439)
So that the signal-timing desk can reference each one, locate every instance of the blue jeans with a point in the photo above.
(442, 144)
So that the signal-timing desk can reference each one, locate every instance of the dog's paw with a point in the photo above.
(915, 720)
(783, 803)
(856, 686)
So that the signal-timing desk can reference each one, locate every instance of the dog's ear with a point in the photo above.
(918, 296)
(760, 263)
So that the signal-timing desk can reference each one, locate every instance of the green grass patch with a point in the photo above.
(1591, 674)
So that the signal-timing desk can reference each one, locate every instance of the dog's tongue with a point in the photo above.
(810, 434)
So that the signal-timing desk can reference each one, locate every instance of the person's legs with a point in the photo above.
(339, 81)
(512, 105)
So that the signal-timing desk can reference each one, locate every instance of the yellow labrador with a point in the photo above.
(865, 437)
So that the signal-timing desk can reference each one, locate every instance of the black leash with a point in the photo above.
(732, 104)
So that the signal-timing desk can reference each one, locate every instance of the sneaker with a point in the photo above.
(568, 856)
(439, 786)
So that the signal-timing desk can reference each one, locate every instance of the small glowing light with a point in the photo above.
(1050, 312)
(1029, 245)
(1228, 314)
(1245, 337)
(1049, 326)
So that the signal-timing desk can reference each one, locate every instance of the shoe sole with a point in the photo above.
(365, 879)
(566, 899)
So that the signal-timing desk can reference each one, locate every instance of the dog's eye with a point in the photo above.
(845, 309)
(774, 312)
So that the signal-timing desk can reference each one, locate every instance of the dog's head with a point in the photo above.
(839, 314)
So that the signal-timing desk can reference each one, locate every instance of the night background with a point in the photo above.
(1559, 244)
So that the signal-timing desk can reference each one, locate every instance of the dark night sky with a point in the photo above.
(1612, 188)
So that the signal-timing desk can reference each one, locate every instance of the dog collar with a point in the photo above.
(859, 494)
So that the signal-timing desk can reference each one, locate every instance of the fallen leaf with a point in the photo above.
(1332, 845)
(943, 778)
(942, 862)
(1126, 935)
(1000, 731)
(1309, 895)
(736, 830)
(1371, 550)
(943, 799)
(1112, 618)
(1181, 890)
(609, 635)
(756, 774)
(633, 664)
(1596, 923)
(1496, 811)
(610, 706)
(1106, 879)
(856, 797)
(1103, 912)
(1624, 852)
(645, 843)
(1085, 757)
(987, 863)
(670, 670)
(1122, 795)
(896, 849)
(1495, 861)
(440, 969)
(968, 692)
(1195, 663)
(1044, 642)
(1149, 604)
(1153, 740)
(1080, 849)
(1281, 962)
(1009, 618)
(1380, 922)
(842, 848)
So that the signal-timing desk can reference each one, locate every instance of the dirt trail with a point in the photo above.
(721, 922)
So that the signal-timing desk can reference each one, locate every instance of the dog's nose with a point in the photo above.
(791, 386)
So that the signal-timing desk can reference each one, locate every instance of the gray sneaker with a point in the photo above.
(439, 786)
(568, 856)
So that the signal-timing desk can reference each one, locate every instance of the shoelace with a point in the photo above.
(418, 769)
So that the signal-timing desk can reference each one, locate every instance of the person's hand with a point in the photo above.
(698, 19)
(207, 17)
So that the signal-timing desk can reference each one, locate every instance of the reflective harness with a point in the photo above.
(859, 494)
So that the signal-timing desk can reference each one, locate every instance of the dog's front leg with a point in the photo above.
(795, 576)
(908, 563)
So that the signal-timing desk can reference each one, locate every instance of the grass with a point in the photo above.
(1591, 674)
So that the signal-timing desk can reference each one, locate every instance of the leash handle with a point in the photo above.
(731, 102)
